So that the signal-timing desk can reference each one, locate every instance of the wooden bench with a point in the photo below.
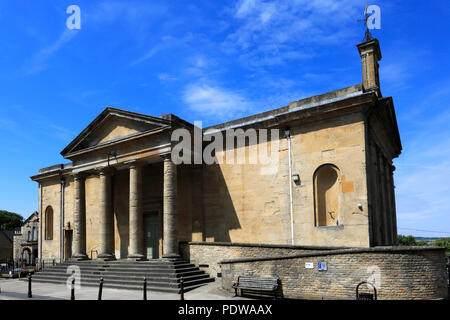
(257, 285)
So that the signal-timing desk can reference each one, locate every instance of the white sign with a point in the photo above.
(309, 265)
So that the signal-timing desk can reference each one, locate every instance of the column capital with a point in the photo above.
(135, 163)
(105, 170)
(78, 175)
(167, 157)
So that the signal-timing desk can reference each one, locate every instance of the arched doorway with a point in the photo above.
(26, 256)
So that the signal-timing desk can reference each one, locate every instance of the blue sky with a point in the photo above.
(215, 61)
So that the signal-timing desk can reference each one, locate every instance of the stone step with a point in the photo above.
(149, 278)
(129, 284)
(134, 282)
(161, 275)
(123, 263)
(123, 266)
(142, 274)
(132, 287)
(126, 270)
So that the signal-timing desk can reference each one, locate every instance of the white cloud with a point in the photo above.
(244, 7)
(165, 43)
(423, 169)
(215, 101)
(132, 12)
(163, 77)
(271, 32)
(38, 61)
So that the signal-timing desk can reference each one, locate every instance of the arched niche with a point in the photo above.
(327, 196)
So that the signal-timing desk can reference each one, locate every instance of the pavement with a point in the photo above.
(15, 289)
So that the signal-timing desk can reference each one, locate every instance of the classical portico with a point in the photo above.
(106, 215)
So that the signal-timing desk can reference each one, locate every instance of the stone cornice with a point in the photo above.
(116, 141)
(309, 108)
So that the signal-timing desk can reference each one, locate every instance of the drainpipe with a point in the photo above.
(40, 225)
(61, 233)
(291, 209)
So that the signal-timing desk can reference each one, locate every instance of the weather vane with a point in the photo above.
(367, 36)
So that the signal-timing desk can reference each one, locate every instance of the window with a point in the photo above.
(49, 223)
(326, 195)
(29, 236)
(34, 234)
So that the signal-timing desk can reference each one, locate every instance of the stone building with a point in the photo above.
(26, 240)
(332, 185)
(6, 245)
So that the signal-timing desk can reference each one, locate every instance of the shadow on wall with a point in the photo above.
(121, 206)
(219, 209)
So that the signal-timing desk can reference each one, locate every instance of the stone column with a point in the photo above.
(170, 209)
(106, 214)
(79, 218)
(136, 215)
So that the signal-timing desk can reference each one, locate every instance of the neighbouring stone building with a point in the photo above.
(26, 240)
(121, 196)
(6, 245)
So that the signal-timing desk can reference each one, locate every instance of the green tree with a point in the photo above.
(443, 242)
(10, 220)
(406, 240)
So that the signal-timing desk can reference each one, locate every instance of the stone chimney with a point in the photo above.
(370, 55)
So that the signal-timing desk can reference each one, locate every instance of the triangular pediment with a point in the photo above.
(113, 125)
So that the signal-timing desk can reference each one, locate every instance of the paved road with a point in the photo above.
(14, 289)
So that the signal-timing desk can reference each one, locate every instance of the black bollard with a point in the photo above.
(182, 288)
(145, 288)
(100, 289)
(72, 290)
(30, 295)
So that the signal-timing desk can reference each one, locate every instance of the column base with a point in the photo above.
(136, 257)
(106, 257)
(79, 257)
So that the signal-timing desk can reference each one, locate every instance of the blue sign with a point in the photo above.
(322, 266)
